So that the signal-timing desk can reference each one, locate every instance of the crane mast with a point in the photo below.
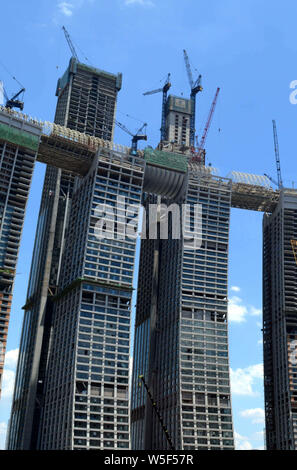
(164, 90)
(208, 122)
(195, 88)
(279, 182)
(277, 157)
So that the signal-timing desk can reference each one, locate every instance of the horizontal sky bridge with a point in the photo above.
(73, 151)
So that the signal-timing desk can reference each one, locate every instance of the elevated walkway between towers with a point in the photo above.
(252, 192)
(58, 146)
(73, 151)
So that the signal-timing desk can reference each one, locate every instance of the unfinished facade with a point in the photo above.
(181, 337)
(71, 389)
(86, 101)
(19, 142)
(280, 324)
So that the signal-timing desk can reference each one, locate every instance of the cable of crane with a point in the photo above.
(85, 57)
(163, 78)
(9, 73)
(132, 117)
(157, 82)
(71, 44)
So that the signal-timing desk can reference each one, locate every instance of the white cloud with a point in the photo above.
(235, 289)
(7, 383)
(8, 379)
(11, 358)
(145, 3)
(243, 380)
(259, 436)
(260, 341)
(244, 443)
(255, 311)
(236, 311)
(257, 416)
(3, 428)
(241, 442)
(66, 8)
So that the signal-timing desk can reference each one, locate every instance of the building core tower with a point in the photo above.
(19, 142)
(86, 103)
(280, 323)
(178, 116)
(181, 331)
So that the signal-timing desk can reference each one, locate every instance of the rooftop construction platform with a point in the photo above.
(74, 151)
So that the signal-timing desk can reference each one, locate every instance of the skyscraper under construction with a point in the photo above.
(18, 149)
(280, 323)
(71, 388)
(181, 333)
(86, 103)
(72, 381)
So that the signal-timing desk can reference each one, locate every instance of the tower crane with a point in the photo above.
(277, 158)
(13, 102)
(201, 147)
(164, 90)
(279, 182)
(70, 43)
(135, 137)
(199, 155)
(195, 88)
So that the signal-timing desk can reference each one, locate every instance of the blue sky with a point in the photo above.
(248, 49)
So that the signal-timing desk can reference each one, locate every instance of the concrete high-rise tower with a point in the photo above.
(19, 142)
(72, 381)
(78, 311)
(280, 323)
(181, 333)
(87, 103)
(178, 116)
